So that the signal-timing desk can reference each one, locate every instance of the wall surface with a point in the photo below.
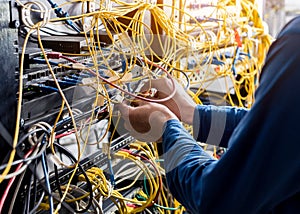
(292, 9)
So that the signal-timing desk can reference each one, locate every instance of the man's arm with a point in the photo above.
(252, 177)
(260, 172)
(214, 125)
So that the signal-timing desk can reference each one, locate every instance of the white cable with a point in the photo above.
(22, 169)
(28, 8)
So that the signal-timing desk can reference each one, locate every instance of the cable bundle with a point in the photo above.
(226, 48)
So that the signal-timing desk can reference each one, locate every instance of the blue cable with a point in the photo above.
(44, 88)
(105, 49)
(92, 65)
(85, 75)
(75, 77)
(71, 80)
(102, 67)
(61, 14)
(214, 61)
(112, 177)
(66, 83)
(249, 54)
(237, 55)
(48, 88)
(43, 61)
(47, 182)
(123, 66)
(228, 55)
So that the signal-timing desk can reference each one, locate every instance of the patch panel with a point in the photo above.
(97, 159)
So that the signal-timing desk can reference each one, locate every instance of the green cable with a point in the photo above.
(167, 208)
(145, 186)
(157, 205)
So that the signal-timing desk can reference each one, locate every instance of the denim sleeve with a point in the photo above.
(214, 124)
(260, 171)
(185, 162)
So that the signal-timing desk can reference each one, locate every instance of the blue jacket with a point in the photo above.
(260, 172)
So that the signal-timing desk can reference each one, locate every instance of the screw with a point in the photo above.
(22, 122)
(15, 24)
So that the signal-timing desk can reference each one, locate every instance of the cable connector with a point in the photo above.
(43, 88)
(54, 55)
(135, 146)
(44, 206)
(78, 66)
(122, 154)
(61, 14)
(105, 147)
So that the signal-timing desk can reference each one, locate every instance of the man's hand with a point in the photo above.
(181, 104)
(145, 121)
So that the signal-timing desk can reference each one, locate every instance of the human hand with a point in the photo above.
(146, 120)
(181, 104)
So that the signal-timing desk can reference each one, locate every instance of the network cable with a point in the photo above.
(61, 14)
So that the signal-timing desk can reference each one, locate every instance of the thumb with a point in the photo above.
(124, 109)
(138, 102)
(154, 83)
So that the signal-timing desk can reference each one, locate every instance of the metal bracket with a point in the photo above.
(14, 15)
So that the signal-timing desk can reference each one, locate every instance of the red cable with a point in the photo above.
(64, 134)
(12, 180)
(160, 186)
(129, 93)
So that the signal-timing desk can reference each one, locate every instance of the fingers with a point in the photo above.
(124, 109)
(138, 103)
(159, 84)
(146, 120)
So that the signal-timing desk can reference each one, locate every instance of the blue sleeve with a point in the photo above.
(185, 165)
(247, 179)
(214, 124)
(260, 172)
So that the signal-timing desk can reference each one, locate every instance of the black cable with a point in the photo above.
(35, 183)
(45, 190)
(23, 33)
(24, 160)
(50, 34)
(27, 202)
(141, 62)
(89, 185)
(59, 129)
(185, 75)
(24, 137)
(57, 181)
(57, 176)
(67, 34)
(5, 160)
(55, 34)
